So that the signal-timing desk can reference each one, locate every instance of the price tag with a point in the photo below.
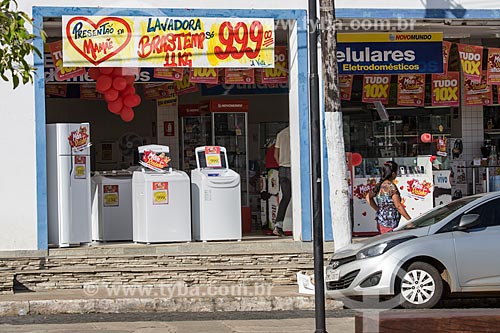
(110, 196)
(80, 167)
(160, 193)
(212, 157)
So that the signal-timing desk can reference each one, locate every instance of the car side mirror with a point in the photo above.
(468, 221)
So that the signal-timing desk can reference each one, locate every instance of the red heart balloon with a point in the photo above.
(111, 95)
(103, 83)
(127, 114)
(115, 106)
(119, 83)
(106, 70)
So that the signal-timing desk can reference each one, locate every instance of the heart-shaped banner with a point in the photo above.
(98, 42)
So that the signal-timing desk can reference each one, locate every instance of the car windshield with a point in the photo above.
(437, 214)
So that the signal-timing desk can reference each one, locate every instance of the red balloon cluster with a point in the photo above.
(117, 85)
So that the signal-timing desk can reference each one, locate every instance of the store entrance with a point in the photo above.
(240, 111)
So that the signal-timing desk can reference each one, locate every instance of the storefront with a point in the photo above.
(267, 111)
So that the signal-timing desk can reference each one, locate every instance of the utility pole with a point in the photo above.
(315, 136)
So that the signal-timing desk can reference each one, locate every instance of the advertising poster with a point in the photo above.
(88, 91)
(160, 193)
(345, 82)
(63, 73)
(390, 53)
(138, 41)
(156, 161)
(110, 196)
(158, 91)
(278, 74)
(478, 93)
(411, 89)
(59, 90)
(446, 55)
(416, 194)
(471, 57)
(493, 66)
(184, 86)
(445, 89)
(376, 88)
(212, 157)
(239, 76)
(364, 214)
(204, 75)
(174, 74)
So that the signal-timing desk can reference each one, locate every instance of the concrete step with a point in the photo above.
(172, 298)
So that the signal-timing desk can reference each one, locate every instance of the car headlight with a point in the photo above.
(381, 248)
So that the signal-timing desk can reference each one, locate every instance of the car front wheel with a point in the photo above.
(420, 286)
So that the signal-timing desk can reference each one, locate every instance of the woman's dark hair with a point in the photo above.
(387, 170)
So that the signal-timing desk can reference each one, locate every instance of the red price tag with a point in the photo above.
(235, 40)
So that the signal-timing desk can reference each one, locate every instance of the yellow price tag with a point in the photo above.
(80, 172)
(110, 200)
(213, 160)
(160, 198)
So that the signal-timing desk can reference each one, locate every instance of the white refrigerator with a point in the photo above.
(68, 184)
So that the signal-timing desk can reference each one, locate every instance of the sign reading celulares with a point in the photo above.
(167, 42)
(390, 53)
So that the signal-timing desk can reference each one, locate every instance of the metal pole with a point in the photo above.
(315, 135)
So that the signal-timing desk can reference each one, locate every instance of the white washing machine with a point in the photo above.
(161, 206)
(216, 197)
(112, 206)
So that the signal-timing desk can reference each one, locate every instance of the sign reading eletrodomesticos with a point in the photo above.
(110, 41)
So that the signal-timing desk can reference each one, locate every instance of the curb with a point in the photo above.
(172, 304)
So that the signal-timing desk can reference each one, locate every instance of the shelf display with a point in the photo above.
(196, 132)
(230, 130)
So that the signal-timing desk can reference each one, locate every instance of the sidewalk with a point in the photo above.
(173, 298)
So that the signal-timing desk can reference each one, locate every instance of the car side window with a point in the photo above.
(489, 214)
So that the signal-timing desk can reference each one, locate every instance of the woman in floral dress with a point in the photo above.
(386, 201)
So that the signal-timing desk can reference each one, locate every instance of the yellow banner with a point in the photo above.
(109, 41)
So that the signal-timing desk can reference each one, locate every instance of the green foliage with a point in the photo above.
(16, 44)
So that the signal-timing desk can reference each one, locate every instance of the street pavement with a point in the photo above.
(220, 322)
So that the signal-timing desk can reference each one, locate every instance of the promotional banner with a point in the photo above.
(239, 76)
(446, 55)
(62, 73)
(471, 57)
(446, 89)
(390, 53)
(204, 75)
(411, 89)
(345, 82)
(376, 88)
(185, 87)
(157, 91)
(174, 74)
(278, 74)
(493, 67)
(478, 93)
(59, 90)
(88, 91)
(110, 41)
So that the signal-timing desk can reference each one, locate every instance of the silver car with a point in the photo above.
(454, 248)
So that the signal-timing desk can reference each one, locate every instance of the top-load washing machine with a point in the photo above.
(216, 196)
(161, 199)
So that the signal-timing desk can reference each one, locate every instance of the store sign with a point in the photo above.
(229, 105)
(411, 89)
(390, 53)
(189, 110)
(110, 196)
(278, 74)
(212, 157)
(168, 41)
(446, 89)
(493, 67)
(174, 74)
(244, 89)
(446, 55)
(160, 193)
(345, 82)
(154, 161)
(184, 86)
(204, 75)
(63, 73)
(79, 140)
(471, 58)
(376, 88)
(478, 93)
